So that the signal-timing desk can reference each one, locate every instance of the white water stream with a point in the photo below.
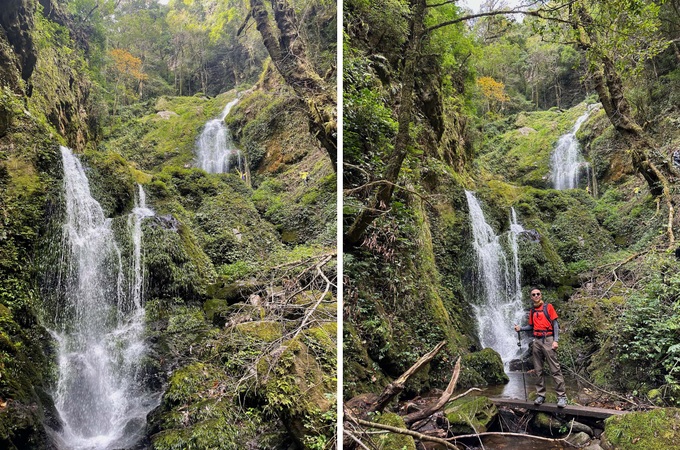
(499, 300)
(215, 151)
(100, 344)
(566, 159)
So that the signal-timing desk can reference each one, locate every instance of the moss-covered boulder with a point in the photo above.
(393, 441)
(298, 384)
(547, 424)
(482, 368)
(470, 415)
(198, 412)
(653, 430)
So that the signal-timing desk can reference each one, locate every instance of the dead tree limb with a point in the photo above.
(439, 404)
(415, 434)
(394, 388)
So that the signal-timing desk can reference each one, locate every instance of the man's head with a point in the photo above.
(536, 297)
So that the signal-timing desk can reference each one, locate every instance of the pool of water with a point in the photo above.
(521, 385)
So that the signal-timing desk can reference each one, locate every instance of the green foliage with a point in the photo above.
(154, 141)
(652, 430)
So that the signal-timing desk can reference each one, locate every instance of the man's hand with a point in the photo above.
(516, 327)
(555, 345)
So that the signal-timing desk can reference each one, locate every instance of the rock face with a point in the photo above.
(16, 20)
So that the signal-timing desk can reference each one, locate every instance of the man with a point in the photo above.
(543, 323)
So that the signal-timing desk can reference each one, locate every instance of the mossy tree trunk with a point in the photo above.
(289, 54)
(383, 196)
(609, 87)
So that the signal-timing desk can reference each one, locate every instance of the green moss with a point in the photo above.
(393, 441)
(111, 182)
(522, 154)
(470, 415)
(652, 430)
(154, 142)
(262, 331)
(488, 364)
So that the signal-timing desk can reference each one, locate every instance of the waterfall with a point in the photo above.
(99, 339)
(499, 303)
(214, 147)
(566, 158)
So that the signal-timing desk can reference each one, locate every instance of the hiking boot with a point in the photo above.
(561, 402)
(539, 400)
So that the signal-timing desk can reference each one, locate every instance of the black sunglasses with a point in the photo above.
(536, 294)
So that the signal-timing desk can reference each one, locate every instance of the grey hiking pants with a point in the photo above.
(542, 352)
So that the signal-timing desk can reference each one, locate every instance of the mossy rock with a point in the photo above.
(111, 181)
(488, 364)
(299, 385)
(360, 375)
(393, 441)
(198, 412)
(653, 430)
(470, 415)
(233, 292)
(214, 311)
(264, 331)
(547, 424)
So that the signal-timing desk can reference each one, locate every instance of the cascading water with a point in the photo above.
(99, 335)
(566, 159)
(214, 147)
(500, 300)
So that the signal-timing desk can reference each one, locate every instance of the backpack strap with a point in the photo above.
(545, 312)
(547, 316)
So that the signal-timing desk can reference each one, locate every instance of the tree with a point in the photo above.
(128, 71)
(610, 31)
(289, 55)
(494, 93)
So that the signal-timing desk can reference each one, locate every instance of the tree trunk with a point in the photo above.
(609, 87)
(381, 201)
(289, 55)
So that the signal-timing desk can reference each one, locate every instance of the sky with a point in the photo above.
(475, 4)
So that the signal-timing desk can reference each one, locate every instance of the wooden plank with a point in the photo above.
(572, 410)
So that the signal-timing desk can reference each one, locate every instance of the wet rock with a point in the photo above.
(547, 424)
(470, 415)
(17, 22)
(167, 222)
(580, 428)
(578, 439)
(595, 445)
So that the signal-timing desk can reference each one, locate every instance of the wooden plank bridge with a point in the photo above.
(572, 410)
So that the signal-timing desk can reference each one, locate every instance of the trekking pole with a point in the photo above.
(521, 358)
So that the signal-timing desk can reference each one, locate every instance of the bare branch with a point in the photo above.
(446, 395)
(395, 387)
(415, 434)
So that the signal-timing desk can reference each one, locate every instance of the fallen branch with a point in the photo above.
(414, 434)
(431, 409)
(395, 387)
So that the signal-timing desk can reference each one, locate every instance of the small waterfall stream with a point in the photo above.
(99, 335)
(499, 304)
(566, 159)
(215, 151)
